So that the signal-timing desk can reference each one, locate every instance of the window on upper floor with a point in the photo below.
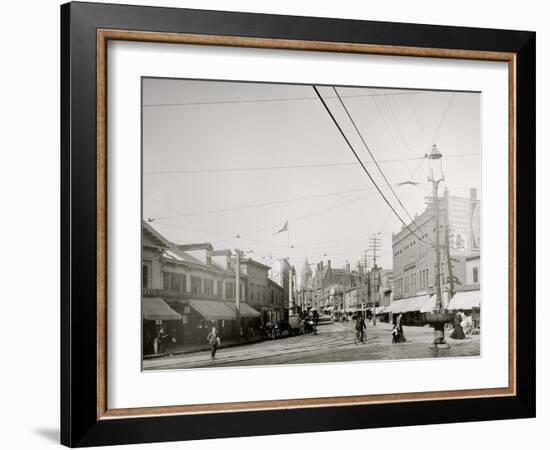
(229, 290)
(174, 282)
(146, 274)
(196, 285)
(209, 286)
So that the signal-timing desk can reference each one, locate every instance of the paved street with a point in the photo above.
(333, 343)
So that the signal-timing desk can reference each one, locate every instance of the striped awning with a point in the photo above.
(155, 308)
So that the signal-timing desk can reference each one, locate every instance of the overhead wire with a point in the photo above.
(443, 117)
(268, 100)
(258, 205)
(389, 129)
(363, 165)
(250, 169)
(356, 128)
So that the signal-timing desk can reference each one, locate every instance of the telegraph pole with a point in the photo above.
(438, 319)
(290, 299)
(449, 263)
(374, 246)
(238, 291)
(366, 261)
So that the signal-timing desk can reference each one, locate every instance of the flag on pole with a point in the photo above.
(284, 228)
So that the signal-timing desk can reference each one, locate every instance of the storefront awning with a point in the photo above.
(416, 303)
(465, 300)
(155, 308)
(408, 304)
(397, 306)
(245, 309)
(429, 306)
(212, 309)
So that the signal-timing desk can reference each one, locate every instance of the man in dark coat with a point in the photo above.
(360, 326)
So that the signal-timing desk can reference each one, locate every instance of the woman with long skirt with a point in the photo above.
(458, 332)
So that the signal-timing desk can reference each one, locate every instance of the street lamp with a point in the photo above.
(438, 317)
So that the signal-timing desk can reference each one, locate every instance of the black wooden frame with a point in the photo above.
(79, 423)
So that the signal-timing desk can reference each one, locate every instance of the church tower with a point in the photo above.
(305, 276)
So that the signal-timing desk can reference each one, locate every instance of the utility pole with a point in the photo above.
(366, 260)
(374, 246)
(238, 291)
(449, 263)
(438, 321)
(290, 299)
(437, 284)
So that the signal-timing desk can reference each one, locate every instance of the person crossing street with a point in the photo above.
(360, 327)
(214, 341)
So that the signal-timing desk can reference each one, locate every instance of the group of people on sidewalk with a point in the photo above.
(461, 323)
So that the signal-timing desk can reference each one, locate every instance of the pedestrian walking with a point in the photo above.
(360, 326)
(214, 341)
(458, 332)
(394, 335)
(399, 327)
(160, 341)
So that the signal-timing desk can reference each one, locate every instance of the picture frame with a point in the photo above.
(86, 418)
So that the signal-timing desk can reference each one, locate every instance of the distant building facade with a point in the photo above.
(413, 252)
(198, 285)
(283, 273)
(264, 294)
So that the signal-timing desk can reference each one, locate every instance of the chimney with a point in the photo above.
(348, 269)
(328, 263)
(473, 194)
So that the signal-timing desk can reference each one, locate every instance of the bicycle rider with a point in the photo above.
(360, 326)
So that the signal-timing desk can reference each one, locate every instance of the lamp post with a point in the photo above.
(437, 318)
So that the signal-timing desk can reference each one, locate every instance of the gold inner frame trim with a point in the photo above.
(104, 35)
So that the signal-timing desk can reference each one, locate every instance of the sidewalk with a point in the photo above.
(419, 334)
(184, 349)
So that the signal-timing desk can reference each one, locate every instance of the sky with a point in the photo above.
(230, 162)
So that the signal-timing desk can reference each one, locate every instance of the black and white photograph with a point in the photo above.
(304, 224)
